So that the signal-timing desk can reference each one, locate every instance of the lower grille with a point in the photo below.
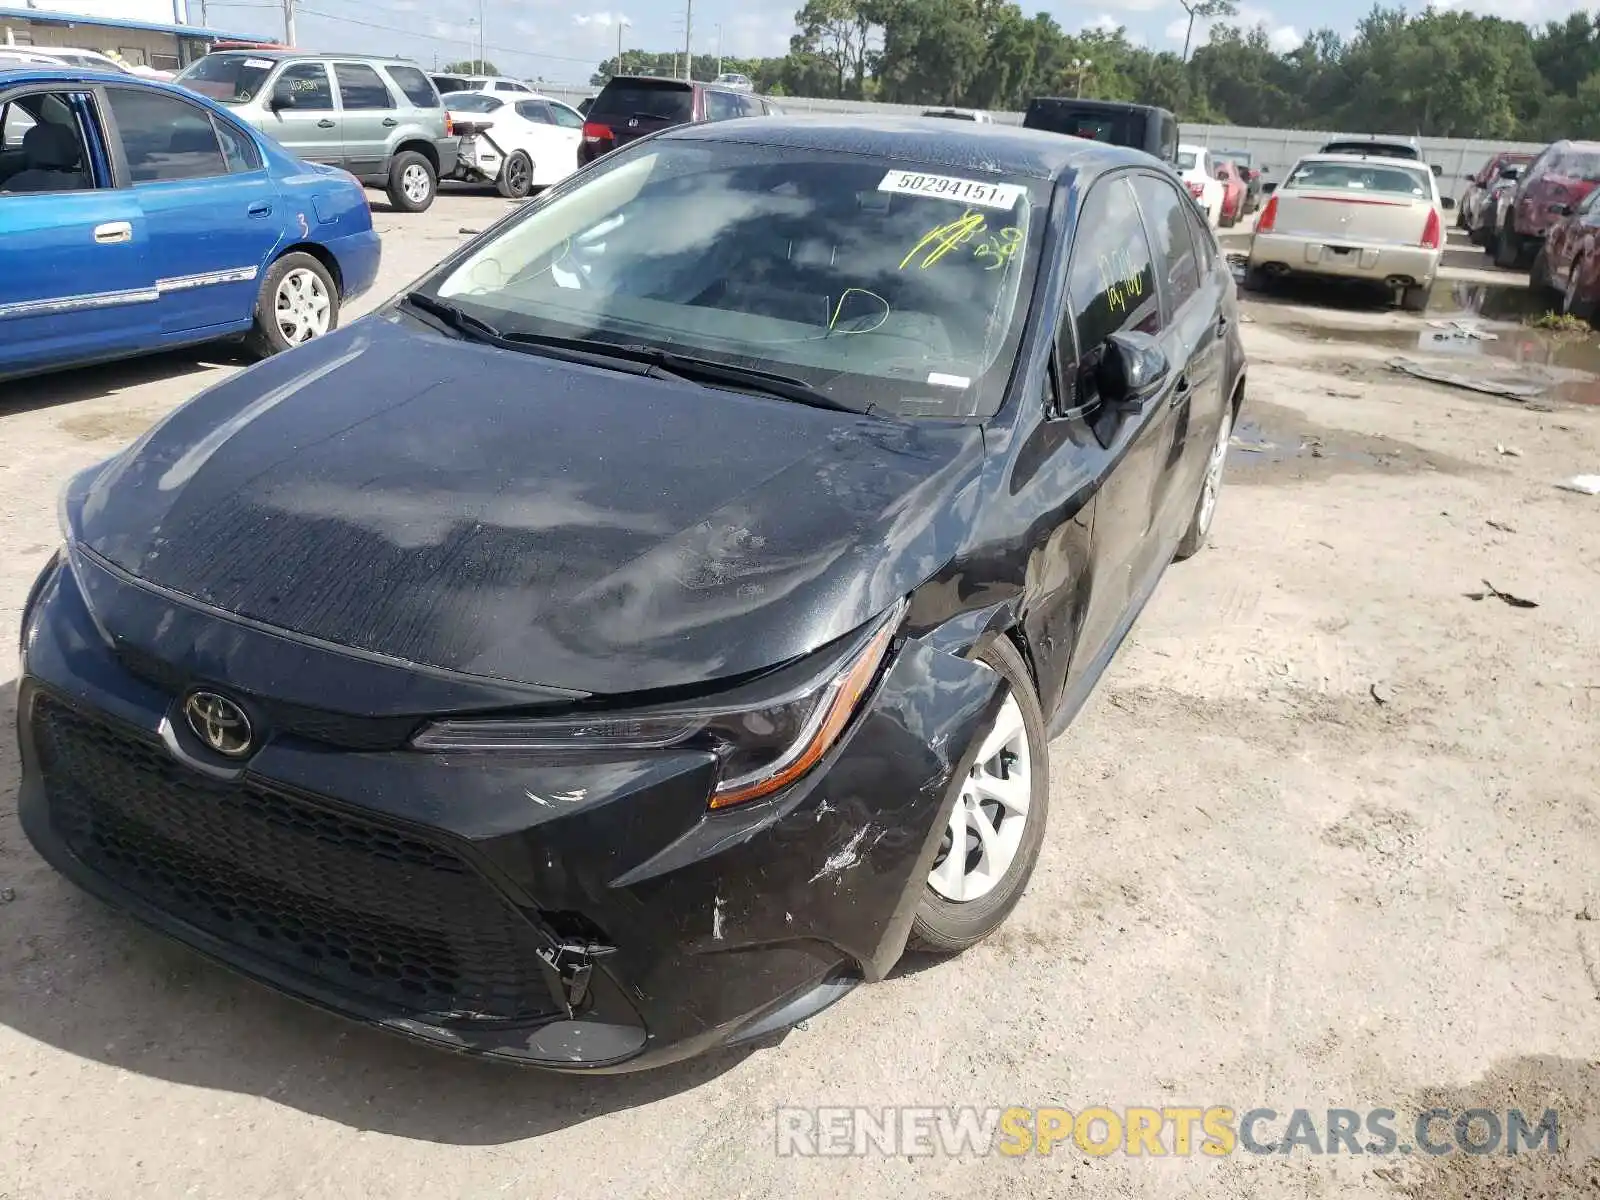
(378, 913)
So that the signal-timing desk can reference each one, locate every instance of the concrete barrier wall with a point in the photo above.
(1275, 149)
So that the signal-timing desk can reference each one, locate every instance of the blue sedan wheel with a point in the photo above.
(298, 301)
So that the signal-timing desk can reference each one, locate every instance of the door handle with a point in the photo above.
(1222, 326)
(261, 208)
(113, 232)
(390, 122)
(324, 124)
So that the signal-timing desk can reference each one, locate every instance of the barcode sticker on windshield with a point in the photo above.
(949, 187)
(258, 64)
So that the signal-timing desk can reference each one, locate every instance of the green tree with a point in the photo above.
(472, 66)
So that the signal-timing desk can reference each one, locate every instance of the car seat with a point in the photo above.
(53, 157)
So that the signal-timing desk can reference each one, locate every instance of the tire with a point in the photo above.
(1255, 280)
(1416, 297)
(1205, 504)
(413, 183)
(516, 177)
(946, 925)
(287, 310)
(1572, 304)
(1507, 246)
(1539, 274)
(1227, 221)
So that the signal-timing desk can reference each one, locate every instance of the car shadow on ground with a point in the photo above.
(79, 977)
(108, 379)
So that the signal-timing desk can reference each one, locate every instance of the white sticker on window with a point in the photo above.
(949, 187)
(956, 381)
(258, 64)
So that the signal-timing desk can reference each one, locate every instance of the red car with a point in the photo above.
(1234, 189)
(1560, 177)
(1568, 263)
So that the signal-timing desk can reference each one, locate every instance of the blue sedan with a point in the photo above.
(135, 217)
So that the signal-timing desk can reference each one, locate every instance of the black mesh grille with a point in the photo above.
(374, 911)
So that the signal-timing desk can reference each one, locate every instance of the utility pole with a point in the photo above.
(688, 33)
(204, 24)
(621, 25)
(288, 22)
(719, 47)
(482, 40)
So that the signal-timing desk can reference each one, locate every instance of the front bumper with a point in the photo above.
(1304, 254)
(441, 896)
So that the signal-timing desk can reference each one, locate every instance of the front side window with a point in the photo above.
(306, 87)
(227, 78)
(360, 86)
(1111, 285)
(880, 284)
(1168, 230)
(414, 85)
(43, 147)
(1386, 179)
(165, 139)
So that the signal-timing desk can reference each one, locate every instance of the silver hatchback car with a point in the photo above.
(381, 119)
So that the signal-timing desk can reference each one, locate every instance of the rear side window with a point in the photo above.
(1574, 164)
(1168, 229)
(721, 106)
(1169, 137)
(1111, 281)
(535, 110)
(239, 149)
(1097, 125)
(1359, 177)
(659, 102)
(164, 138)
(415, 86)
(361, 87)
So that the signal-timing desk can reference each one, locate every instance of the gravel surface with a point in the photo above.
(1325, 837)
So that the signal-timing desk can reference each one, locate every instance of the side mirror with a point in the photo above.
(1437, 169)
(1561, 210)
(282, 98)
(1132, 371)
(1447, 203)
(1509, 172)
(1268, 188)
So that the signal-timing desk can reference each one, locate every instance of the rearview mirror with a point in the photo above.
(1132, 371)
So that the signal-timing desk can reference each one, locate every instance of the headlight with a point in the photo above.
(761, 744)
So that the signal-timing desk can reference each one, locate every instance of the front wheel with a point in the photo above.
(412, 182)
(1507, 245)
(298, 301)
(1539, 274)
(991, 842)
(1205, 505)
(516, 180)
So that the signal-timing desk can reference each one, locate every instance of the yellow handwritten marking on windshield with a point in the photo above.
(942, 239)
(1120, 279)
(1000, 247)
(845, 295)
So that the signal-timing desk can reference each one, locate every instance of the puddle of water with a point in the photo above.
(1253, 444)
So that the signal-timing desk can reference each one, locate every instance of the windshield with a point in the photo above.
(471, 102)
(1359, 177)
(1187, 160)
(227, 78)
(880, 285)
(664, 101)
(1576, 164)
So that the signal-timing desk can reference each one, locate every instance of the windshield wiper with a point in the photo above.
(455, 317)
(672, 365)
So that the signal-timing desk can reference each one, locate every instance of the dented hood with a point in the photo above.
(471, 509)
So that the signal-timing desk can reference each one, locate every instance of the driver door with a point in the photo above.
(299, 114)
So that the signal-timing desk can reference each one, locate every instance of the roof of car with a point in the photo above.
(683, 83)
(1386, 159)
(282, 54)
(957, 145)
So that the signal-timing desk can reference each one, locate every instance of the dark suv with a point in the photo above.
(1153, 130)
(631, 106)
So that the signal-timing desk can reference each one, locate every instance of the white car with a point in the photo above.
(66, 56)
(1200, 177)
(517, 143)
(492, 84)
(1349, 216)
(734, 82)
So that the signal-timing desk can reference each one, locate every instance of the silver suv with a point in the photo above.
(379, 118)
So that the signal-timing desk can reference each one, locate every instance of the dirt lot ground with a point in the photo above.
(1326, 837)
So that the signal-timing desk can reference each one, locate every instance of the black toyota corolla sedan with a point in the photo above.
(633, 637)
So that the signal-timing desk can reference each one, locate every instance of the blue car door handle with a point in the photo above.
(261, 208)
(113, 232)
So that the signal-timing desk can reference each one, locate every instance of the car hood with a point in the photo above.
(476, 510)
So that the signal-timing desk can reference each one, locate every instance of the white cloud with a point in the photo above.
(1285, 38)
(1282, 38)
(1106, 23)
(601, 20)
(1137, 5)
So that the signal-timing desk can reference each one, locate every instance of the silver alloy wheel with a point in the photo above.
(518, 171)
(414, 183)
(1213, 480)
(986, 824)
(302, 306)
(1570, 296)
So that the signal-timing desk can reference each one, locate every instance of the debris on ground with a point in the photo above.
(1251, 447)
(1500, 525)
(469, 230)
(1465, 329)
(1508, 451)
(1507, 388)
(7, 895)
(1507, 597)
(1589, 485)
(1382, 693)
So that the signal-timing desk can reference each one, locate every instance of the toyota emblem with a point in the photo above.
(219, 723)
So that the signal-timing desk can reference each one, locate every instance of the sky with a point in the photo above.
(564, 42)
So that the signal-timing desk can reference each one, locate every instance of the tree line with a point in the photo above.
(1435, 74)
